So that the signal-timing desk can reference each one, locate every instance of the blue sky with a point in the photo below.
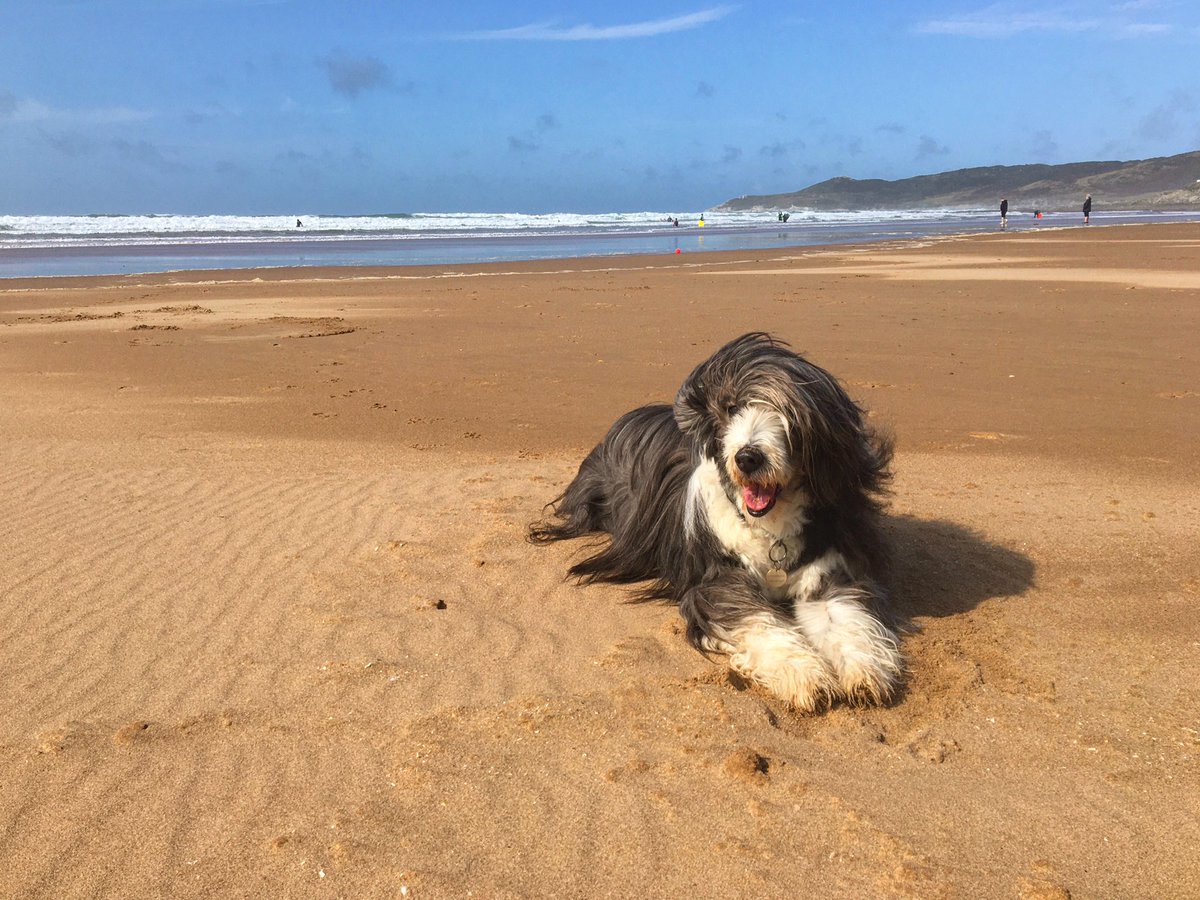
(301, 106)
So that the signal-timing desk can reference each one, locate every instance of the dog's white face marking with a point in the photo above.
(759, 427)
(758, 433)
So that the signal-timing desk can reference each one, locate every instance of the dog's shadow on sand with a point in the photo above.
(940, 568)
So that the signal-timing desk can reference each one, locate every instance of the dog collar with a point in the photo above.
(777, 575)
(815, 541)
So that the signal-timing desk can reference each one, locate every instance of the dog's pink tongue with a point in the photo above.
(758, 497)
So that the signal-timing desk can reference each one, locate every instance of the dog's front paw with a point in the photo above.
(870, 678)
(862, 651)
(781, 661)
(804, 683)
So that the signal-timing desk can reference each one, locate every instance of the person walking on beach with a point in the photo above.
(1003, 213)
(1087, 208)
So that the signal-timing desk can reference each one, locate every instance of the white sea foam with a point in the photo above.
(32, 246)
(166, 230)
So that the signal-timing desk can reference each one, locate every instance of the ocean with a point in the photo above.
(109, 244)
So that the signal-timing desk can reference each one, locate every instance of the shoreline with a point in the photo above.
(443, 250)
(615, 262)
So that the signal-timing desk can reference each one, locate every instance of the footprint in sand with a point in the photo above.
(131, 732)
(634, 651)
(57, 740)
(932, 747)
(747, 764)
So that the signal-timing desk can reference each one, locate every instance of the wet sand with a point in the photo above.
(269, 627)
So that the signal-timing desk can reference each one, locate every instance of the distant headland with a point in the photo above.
(1165, 183)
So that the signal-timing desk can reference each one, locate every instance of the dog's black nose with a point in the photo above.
(749, 460)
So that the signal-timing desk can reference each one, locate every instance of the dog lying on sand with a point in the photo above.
(753, 502)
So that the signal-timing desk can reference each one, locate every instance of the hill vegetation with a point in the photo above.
(1168, 182)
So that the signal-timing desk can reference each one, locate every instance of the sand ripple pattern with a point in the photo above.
(223, 637)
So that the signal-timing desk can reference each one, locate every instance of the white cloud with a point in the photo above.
(1135, 5)
(549, 31)
(1143, 29)
(1003, 20)
(27, 111)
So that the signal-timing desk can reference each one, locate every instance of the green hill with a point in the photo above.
(1168, 182)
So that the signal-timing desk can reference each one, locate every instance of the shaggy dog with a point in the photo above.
(752, 503)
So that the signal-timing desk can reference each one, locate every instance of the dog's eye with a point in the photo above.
(731, 410)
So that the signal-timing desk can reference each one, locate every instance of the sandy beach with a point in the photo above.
(269, 625)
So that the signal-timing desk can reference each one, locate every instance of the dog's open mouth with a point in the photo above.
(759, 498)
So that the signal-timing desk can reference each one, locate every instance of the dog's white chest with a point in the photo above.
(765, 548)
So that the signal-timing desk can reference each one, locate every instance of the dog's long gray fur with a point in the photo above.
(633, 486)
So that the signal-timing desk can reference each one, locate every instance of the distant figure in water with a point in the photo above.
(1003, 213)
(786, 216)
(675, 222)
(1037, 213)
(1087, 209)
(701, 220)
(299, 224)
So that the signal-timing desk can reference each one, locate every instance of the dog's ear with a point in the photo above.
(691, 405)
(845, 458)
(716, 376)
